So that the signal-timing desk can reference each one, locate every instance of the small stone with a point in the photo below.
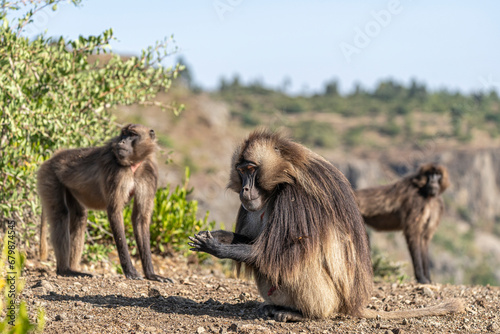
(244, 296)
(405, 322)
(87, 316)
(481, 302)
(397, 331)
(492, 328)
(200, 330)
(426, 291)
(223, 331)
(154, 292)
(44, 286)
(251, 328)
(186, 282)
(122, 285)
(79, 303)
(212, 301)
(60, 317)
(233, 327)
(151, 329)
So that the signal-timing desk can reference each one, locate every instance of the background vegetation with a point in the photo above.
(55, 93)
(375, 136)
(390, 111)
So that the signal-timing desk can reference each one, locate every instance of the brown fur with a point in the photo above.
(99, 178)
(309, 248)
(312, 228)
(407, 205)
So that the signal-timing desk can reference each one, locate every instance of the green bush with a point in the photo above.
(384, 269)
(482, 273)
(314, 133)
(52, 96)
(391, 128)
(290, 106)
(249, 119)
(354, 136)
(464, 213)
(173, 221)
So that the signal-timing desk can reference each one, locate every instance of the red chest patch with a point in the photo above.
(271, 290)
(135, 166)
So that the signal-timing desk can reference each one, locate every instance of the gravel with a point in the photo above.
(203, 300)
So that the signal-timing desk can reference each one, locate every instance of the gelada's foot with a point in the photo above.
(158, 278)
(280, 313)
(73, 273)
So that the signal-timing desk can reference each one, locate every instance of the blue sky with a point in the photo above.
(453, 44)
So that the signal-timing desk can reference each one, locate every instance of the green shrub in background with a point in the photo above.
(385, 270)
(315, 134)
(174, 219)
(52, 96)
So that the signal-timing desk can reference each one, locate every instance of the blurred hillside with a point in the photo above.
(374, 137)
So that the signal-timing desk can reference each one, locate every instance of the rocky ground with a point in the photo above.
(204, 300)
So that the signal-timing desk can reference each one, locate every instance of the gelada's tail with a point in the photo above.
(446, 307)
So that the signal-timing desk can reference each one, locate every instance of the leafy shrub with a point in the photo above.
(314, 133)
(290, 106)
(482, 273)
(388, 90)
(174, 218)
(391, 128)
(173, 221)
(52, 96)
(249, 119)
(464, 213)
(385, 269)
(401, 110)
(354, 136)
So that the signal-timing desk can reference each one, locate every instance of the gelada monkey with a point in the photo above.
(300, 233)
(413, 205)
(100, 178)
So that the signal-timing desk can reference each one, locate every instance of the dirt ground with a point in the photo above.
(204, 300)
